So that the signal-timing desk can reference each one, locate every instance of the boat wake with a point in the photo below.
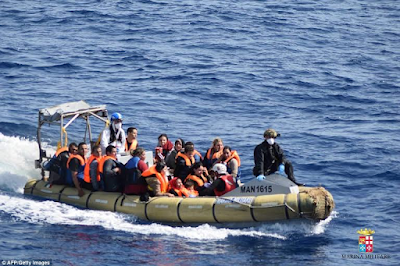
(17, 162)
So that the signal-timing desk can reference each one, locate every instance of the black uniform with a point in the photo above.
(267, 159)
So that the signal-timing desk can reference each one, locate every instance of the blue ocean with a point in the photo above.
(324, 74)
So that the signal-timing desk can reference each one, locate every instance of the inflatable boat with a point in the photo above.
(273, 199)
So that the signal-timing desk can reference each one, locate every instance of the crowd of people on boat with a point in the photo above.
(179, 170)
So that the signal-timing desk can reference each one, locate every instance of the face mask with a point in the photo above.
(118, 125)
(271, 141)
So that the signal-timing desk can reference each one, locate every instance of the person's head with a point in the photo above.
(132, 132)
(217, 144)
(96, 150)
(179, 144)
(162, 139)
(197, 169)
(270, 135)
(73, 148)
(226, 152)
(178, 183)
(111, 151)
(82, 149)
(139, 152)
(116, 120)
(189, 184)
(161, 167)
(219, 169)
(189, 148)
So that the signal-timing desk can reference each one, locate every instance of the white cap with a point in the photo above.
(219, 168)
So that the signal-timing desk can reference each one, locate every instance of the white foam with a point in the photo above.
(39, 212)
(17, 159)
(321, 226)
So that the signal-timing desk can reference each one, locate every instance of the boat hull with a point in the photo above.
(310, 203)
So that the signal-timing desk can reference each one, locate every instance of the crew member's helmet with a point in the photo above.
(219, 168)
(116, 116)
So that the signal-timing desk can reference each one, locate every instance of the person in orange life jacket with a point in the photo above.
(232, 160)
(114, 135)
(269, 157)
(91, 175)
(189, 185)
(177, 188)
(184, 161)
(223, 182)
(131, 142)
(134, 182)
(163, 148)
(157, 181)
(111, 170)
(213, 153)
(199, 175)
(58, 164)
(170, 160)
(76, 164)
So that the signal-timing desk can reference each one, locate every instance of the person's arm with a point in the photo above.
(258, 161)
(280, 154)
(155, 186)
(105, 138)
(233, 164)
(110, 169)
(93, 175)
(74, 167)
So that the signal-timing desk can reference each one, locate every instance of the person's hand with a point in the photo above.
(261, 177)
(117, 170)
(281, 169)
(207, 185)
(81, 192)
(170, 195)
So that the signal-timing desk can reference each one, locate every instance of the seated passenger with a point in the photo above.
(156, 180)
(232, 160)
(163, 148)
(189, 185)
(223, 182)
(213, 153)
(76, 165)
(199, 176)
(134, 181)
(184, 161)
(177, 188)
(114, 135)
(111, 171)
(170, 160)
(91, 175)
(131, 142)
(58, 164)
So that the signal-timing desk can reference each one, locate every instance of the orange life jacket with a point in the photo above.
(133, 145)
(161, 178)
(79, 157)
(233, 155)
(60, 150)
(189, 161)
(102, 161)
(193, 192)
(179, 191)
(199, 180)
(215, 155)
(229, 185)
(86, 171)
